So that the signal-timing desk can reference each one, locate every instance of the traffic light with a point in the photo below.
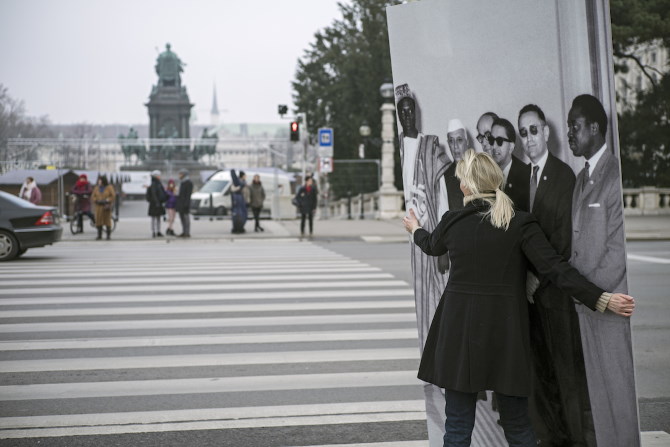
(295, 131)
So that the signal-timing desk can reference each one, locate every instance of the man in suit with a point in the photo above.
(484, 124)
(559, 403)
(184, 202)
(423, 165)
(598, 252)
(501, 143)
(457, 140)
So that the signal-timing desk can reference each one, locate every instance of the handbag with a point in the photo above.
(294, 202)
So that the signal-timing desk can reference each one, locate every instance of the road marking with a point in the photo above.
(100, 297)
(209, 340)
(125, 325)
(209, 385)
(366, 418)
(85, 282)
(197, 287)
(208, 414)
(191, 360)
(160, 272)
(652, 259)
(222, 308)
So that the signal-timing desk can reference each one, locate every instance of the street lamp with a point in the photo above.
(389, 198)
(365, 132)
(386, 90)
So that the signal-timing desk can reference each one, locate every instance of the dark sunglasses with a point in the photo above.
(481, 137)
(524, 133)
(499, 140)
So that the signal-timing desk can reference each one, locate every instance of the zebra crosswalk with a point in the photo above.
(272, 343)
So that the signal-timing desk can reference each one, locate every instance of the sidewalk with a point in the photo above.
(138, 228)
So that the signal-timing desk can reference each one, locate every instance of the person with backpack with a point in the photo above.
(156, 197)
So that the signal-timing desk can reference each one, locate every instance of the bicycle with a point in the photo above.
(78, 216)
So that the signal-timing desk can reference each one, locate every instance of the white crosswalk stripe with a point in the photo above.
(206, 336)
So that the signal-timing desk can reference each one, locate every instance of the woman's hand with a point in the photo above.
(621, 304)
(411, 222)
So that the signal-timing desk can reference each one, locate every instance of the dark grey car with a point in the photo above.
(24, 225)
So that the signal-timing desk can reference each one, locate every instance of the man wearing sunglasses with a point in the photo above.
(559, 404)
(515, 172)
(598, 252)
(484, 125)
(423, 163)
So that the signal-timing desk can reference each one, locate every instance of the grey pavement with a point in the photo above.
(133, 224)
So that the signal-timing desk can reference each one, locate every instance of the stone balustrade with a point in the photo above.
(647, 200)
(361, 206)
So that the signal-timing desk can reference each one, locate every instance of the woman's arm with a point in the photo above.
(550, 264)
(429, 243)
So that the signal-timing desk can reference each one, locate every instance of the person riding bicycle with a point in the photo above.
(82, 190)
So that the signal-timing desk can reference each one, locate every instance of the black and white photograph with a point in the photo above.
(531, 85)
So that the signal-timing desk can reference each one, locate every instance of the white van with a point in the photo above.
(213, 199)
(136, 188)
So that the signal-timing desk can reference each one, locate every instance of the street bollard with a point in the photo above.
(362, 206)
(349, 205)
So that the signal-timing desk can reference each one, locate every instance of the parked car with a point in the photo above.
(24, 225)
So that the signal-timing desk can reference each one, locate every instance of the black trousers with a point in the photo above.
(310, 216)
(257, 215)
(559, 405)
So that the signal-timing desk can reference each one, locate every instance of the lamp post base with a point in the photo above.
(390, 204)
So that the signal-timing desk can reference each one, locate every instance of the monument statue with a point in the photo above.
(169, 109)
(130, 146)
(168, 68)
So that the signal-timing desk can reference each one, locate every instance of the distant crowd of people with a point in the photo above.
(166, 202)
(170, 201)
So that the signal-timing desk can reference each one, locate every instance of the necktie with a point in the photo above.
(533, 186)
(586, 175)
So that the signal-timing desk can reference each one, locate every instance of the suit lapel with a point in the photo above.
(545, 178)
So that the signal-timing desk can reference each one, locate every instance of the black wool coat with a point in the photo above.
(156, 197)
(307, 201)
(479, 338)
(184, 197)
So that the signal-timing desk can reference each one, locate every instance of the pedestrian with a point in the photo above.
(82, 190)
(491, 247)
(257, 194)
(156, 197)
(184, 202)
(240, 199)
(170, 206)
(30, 192)
(103, 196)
(307, 198)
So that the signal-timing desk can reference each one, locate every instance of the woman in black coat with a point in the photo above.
(479, 337)
(156, 197)
(307, 199)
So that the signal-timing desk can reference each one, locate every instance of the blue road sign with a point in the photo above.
(325, 137)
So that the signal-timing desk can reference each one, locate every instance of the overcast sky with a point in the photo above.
(93, 60)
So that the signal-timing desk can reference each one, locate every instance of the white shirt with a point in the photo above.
(410, 147)
(593, 161)
(540, 163)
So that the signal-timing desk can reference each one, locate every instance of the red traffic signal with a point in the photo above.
(295, 131)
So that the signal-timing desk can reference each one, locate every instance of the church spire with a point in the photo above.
(215, 108)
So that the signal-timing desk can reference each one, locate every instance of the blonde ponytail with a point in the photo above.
(482, 176)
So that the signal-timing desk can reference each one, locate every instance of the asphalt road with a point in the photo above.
(649, 282)
(199, 343)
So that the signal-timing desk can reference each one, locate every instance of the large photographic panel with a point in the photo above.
(462, 58)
